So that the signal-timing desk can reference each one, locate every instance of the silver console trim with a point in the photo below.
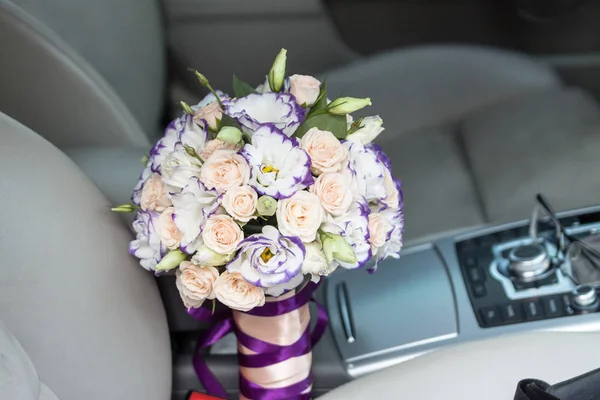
(468, 328)
(404, 347)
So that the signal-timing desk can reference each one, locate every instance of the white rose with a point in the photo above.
(236, 293)
(305, 89)
(315, 263)
(240, 203)
(371, 127)
(379, 229)
(334, 191)
(195, 283)
(300, 215)
(154, 196)
(170, 236)
(210, 113)
(223, 170)
(214, 145)
(222, 234)
(326, 152)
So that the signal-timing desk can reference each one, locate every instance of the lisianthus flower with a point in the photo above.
(193, 206)
(394, 239)
(354, 227)
(136, 196)
(209, 98)
(278, 109)
(178, 168)
(367, 171)
(147, 245)
(270, 260)
(279, 167)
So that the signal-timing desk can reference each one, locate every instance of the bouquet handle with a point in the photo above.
(268, 370)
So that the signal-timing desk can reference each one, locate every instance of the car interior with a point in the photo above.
(486, 105)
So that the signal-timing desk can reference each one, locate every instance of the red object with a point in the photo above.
(202, 396)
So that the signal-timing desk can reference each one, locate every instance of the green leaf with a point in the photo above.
(241, 88)
(335, 124)
(321, 102)
(226, 120)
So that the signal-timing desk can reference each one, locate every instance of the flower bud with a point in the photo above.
(336, 247)
(277, 72)
(230, 134)
(206, 257)
(125, 208)
(202, 79)
(171, 260)
(186, 107)
(266, 206)
(347, 105)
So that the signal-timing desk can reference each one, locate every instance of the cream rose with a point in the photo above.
(334, 191)
(240, 203)
(235, 292)
(305, 89)
(222, 234)
(211, 113)
(170, 236)
(379, 229)
(154, 196)
(300, 215)
(214, 145)
(195, 283)
(325, 150)
(393, 196)
(223, 170)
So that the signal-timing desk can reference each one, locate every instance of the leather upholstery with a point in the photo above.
(488, 369)
(52, 89)
(18, 378)
(432, 85)
(544, 142)
(88, 316)
(121, 39)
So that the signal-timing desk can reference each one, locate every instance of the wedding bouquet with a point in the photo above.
(250, 196)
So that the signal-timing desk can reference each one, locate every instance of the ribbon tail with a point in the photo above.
(209, 381)
(321, 325)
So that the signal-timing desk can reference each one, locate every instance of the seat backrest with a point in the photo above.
(89, 317)
(83, 73)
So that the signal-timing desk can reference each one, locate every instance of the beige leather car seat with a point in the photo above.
(87, 315)
(485, 370)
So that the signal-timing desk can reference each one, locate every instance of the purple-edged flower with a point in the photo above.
(147, 245)
(178, 168)
(193, 205)
(393, 219)
(279, 109)
(136, 196)
(354, 227)
(270, 260)
(368, 172)
(209, 98)
(279, 167)
(180, 130)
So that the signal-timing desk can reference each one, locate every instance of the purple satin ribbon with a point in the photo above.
(268, 353)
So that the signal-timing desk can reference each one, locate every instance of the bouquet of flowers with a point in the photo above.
(250, 197)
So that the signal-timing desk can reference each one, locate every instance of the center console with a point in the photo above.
(465, 287)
